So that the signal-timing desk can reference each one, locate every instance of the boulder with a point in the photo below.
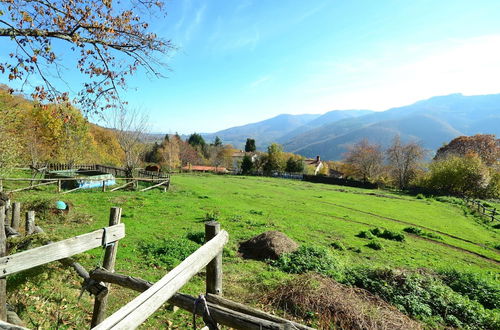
(268, 245)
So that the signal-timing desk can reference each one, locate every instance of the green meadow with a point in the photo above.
(311, 214)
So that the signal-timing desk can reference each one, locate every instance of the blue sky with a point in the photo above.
(244, 61)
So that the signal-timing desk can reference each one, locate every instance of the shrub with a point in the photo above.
(338, 246)
(420, 196)
(167, 252)
(420, 232)
(309, 259)
(376, 245)
(386, 234)
(473, 286)
(366, 234)
(462, 176)
(424, 297)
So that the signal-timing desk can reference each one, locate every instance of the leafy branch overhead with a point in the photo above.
(109, 40)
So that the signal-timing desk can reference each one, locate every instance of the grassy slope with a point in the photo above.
(312, 214)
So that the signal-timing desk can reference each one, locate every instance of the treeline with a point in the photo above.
(467, 166)
(173, 152)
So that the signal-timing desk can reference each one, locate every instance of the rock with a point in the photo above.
(268, 245)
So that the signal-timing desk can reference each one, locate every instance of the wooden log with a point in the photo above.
(101, 303)
(3, 281)
(122, 186)
(59, 250)
(30, 222)
(138, 310)
(68, 191)
(154, 186)
(94, 287)
(134, 283)
(222, 314)
(226, 316)
(214, 268)
(33, 186)
(16, 215)
(220, 301)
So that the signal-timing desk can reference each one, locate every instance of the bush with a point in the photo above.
(309, 259)
(366, 234)
(420, 232)
(420, 196)
(338, 246)
(168, 252)
(462, 176)
(424, 297)
(386, 234)
(473, 286)
(376, 245)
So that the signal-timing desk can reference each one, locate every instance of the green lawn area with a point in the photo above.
(311, 214)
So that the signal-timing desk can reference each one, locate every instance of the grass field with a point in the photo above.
(311, 214)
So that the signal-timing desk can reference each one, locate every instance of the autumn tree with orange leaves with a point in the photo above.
(109, 42)
(486, 146)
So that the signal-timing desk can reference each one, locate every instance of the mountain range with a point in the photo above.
(431, 122)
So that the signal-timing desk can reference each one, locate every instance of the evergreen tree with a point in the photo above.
(250, 145)
(246, 165)
(217, 142)
(195, 140)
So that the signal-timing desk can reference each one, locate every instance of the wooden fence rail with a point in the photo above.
(138, 310)
(18, 262)
(490, 213)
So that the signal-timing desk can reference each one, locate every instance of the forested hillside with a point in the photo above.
(34, 134)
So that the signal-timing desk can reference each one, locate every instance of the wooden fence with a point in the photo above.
(214, 309)
(490, 213)
(161, 183)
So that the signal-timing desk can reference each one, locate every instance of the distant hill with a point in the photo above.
(432, 122)
(327, 118)
(264, 132)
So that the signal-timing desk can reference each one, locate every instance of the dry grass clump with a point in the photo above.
(337, 305)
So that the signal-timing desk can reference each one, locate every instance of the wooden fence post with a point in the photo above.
(3, 252)
(214, 268)
(1, 185)
(103, 185)
(100, 303)
(30, 222)
(58, 186)
(493, 213)
(16, 216)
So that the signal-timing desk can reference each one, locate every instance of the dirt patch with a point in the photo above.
(332, 304)
(268, 245)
